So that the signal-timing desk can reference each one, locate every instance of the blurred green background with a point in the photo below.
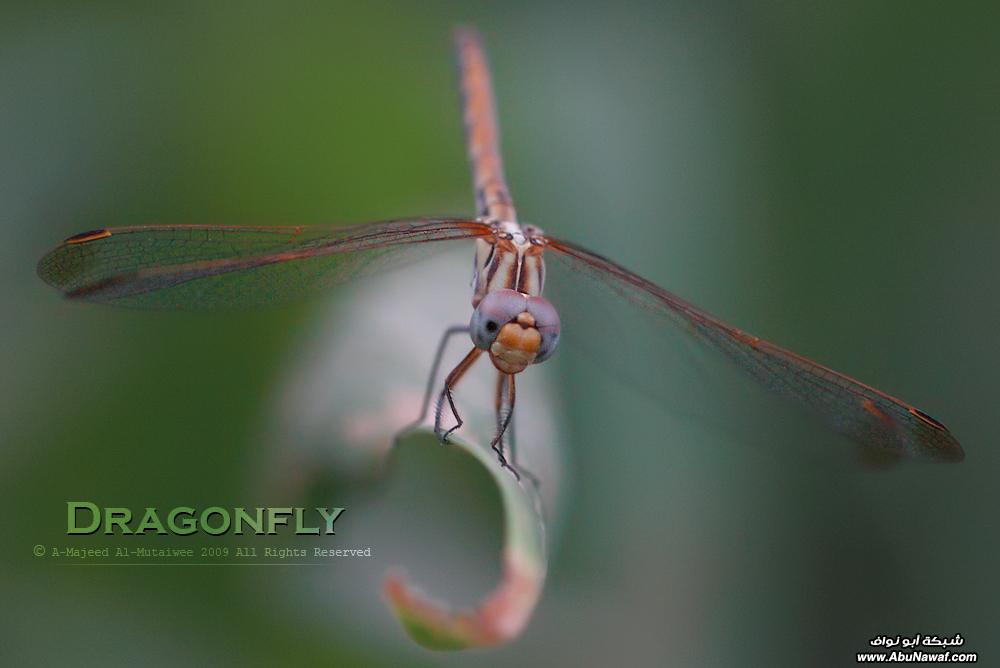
(822, 174)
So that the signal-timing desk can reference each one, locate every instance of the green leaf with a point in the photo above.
(503, 614)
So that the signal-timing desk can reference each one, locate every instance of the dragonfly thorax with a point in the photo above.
(509, 259)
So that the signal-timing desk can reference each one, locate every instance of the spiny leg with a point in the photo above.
(505, 411)
(506, 432)
(429, 391)
(449, 383)
(498, 407)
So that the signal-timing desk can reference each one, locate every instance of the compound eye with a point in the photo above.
(494, 311)
(547, 323)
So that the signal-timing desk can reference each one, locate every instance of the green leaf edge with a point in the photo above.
(504, 613)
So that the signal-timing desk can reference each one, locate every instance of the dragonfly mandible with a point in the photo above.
(206, 266)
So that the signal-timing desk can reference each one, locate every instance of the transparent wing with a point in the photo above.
(207, 267)
(883, 424)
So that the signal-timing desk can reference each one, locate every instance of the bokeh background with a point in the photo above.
(822, 174)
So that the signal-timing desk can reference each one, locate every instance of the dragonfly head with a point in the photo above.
(516, 329)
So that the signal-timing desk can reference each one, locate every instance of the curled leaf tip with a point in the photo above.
(499, 618)
(504, 613)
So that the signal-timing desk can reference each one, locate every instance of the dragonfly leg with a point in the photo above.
(449, 383)
(507, 434)
(429, 391)
(505, 413)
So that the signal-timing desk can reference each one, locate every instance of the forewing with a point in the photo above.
(208, 267)
(883, 424)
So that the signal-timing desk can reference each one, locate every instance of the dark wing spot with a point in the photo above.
(84, 237)
(924, 417)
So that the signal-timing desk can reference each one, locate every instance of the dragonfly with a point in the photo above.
(212, 266)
